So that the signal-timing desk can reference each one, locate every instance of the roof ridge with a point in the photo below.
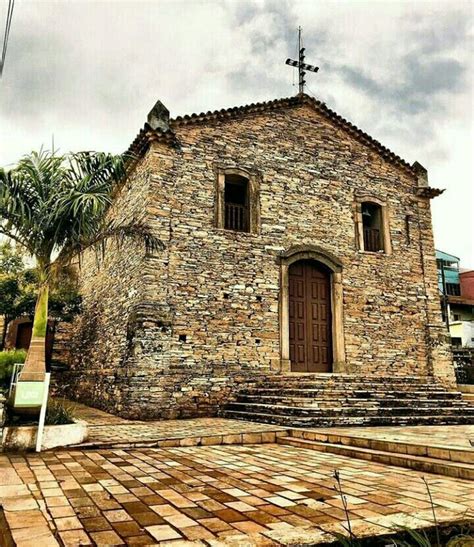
(148, 134)
(301, 98)
(235, 109)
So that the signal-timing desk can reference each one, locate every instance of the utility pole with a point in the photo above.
(6, 35)
(445, 296)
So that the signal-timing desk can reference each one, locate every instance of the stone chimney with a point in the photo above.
(422, 175)
(159, 117)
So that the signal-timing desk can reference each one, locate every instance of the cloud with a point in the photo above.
(90, 71)
(420, 81)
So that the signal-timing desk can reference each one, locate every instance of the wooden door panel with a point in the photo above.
(310, 317)
(299, 311)
(23, 335)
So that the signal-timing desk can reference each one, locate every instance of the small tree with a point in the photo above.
(55, 206)
(12, 259)
(18, 293)
(9, 293)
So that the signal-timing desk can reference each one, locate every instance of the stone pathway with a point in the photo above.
(106, 430)
(213, 495)
(94, 416)
(457, 436)
(180, 433)
(231, 493)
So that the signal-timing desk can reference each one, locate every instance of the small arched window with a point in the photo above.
(237, 200)
(372, 226)
(236, 203)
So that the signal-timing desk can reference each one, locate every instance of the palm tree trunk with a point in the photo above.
(35, 364)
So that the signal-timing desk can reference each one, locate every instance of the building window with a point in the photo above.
(456, 342)
(236, 203)
(372, 225)
(237, 200)
(453, 289)
(447, 264)
(456, 317)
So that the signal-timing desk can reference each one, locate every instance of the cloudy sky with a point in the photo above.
(402, 71)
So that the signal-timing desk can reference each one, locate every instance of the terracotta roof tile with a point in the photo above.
(143, 139)
(147, 134)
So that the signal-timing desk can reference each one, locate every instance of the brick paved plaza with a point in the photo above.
(259, 494)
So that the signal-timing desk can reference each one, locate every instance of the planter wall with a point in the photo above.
(24, 437)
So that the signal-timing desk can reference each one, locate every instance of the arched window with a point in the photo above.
(236, 203)
(237, 200)
(372, 226)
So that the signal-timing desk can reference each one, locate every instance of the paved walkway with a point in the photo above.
(213, 495)
(94, 416)
(457, 436)
(169, 490)
(106, 431)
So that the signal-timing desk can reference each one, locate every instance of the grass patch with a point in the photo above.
(59, 412)
(7, 360)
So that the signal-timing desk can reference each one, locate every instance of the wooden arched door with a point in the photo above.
(310, 321)
(23, 335)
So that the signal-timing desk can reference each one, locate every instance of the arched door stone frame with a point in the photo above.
(317, 254)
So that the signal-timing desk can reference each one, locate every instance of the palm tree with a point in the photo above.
(55, 206)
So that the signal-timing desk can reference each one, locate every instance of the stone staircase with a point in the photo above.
(449, 461)
(318, 400)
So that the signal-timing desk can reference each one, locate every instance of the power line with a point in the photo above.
(11, 5)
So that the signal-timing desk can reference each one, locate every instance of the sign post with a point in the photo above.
(42, 416)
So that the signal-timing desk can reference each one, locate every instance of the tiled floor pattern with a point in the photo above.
(94, 416)
(174, 429)
(107, 430)
(214, 495)
(448, 436)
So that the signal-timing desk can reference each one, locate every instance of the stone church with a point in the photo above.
(294, 246)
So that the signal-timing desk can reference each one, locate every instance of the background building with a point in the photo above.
(457, 295)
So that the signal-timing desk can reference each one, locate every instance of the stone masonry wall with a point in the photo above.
(168, 335)
(110, 285)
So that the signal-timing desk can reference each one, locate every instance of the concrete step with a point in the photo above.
(442, 452)
(313, 411)
(327, 393)
(318, 399)
(324, 421)
(335, 377)
(419, 463)
(355, 384)
(347, 401)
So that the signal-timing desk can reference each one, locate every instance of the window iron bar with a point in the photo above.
(372, 240)
(236, 217)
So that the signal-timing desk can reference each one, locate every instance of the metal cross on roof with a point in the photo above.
(302, 66)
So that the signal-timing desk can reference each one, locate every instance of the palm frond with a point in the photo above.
(136, 232)
(25, 191)
(54, 203)
(87, 194)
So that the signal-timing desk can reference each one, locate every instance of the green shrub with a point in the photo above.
(7, 360)
(59, 412)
